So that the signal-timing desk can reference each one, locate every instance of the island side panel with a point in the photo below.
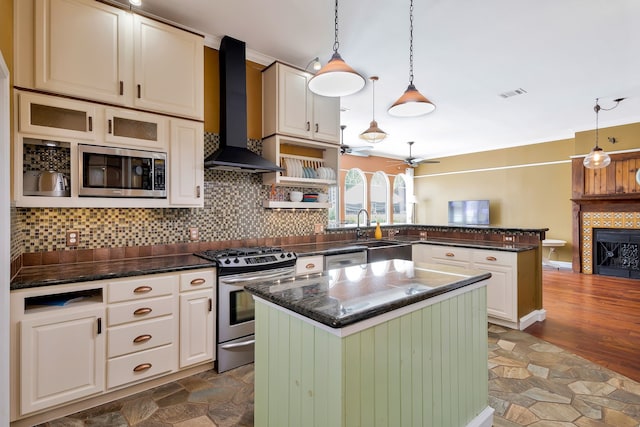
(428, 368)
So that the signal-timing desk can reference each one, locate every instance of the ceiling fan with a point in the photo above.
(414, 162)
(356, 150)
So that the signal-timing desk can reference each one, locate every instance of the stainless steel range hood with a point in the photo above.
(233, 153)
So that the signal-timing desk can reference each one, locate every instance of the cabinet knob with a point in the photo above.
(109, 126)
(139, 91)
(308, 126)
(142, 338)
(317, 128)
(141, 311)
(142, 367)
(198, 281)
(121, 87)
(198, 191)
(90, 124)
(491, 258)
(450, 254)
(142, 289)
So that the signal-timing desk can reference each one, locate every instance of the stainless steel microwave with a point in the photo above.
(119, 172)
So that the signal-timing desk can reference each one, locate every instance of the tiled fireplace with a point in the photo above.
(617, 221)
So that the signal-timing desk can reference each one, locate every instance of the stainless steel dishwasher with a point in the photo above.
(344, 259)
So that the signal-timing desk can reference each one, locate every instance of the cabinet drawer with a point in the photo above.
(149, 286)
(140, 336)
(309, 264)
(139, 310)
(197, 280)
(141, 365)
(494, 257)
(450, 252)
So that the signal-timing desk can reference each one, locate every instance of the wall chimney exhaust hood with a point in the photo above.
(233, 153)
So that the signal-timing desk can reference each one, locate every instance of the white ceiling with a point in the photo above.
(564, 53)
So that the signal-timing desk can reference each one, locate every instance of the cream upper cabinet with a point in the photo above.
(290, 108)
(95, 51)
(83, 48)
(169, 69)
(186, 155)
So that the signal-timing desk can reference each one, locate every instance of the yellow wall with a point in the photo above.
(527, 186)
(212, 95)
(627, 137)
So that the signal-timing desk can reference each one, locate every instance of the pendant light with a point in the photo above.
(336, 78)
(412, 103)
(374, 133)
(597, 158)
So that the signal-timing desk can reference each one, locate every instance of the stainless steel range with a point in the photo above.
(238, 267)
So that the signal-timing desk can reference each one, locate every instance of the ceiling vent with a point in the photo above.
(511, 93)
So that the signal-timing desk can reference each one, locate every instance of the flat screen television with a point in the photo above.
(469, 212)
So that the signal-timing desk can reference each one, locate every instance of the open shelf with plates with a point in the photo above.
(307, 163)
(280, 204)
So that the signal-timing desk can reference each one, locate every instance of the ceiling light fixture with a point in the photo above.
(412, 103)
(316, 64)
(135, 2)
(597, 158)
(336, 78)
(374, 133)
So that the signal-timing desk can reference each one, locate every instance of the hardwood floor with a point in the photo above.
(596, 317)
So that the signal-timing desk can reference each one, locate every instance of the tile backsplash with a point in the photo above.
(232, 210)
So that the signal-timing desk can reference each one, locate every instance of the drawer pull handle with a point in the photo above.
(142, 289)
(450, 254)
(492, 258)
(142, 338)
(310, 266)
(141, 311)
(142, 367)
(199, 281)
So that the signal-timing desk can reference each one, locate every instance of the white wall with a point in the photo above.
(5, 248)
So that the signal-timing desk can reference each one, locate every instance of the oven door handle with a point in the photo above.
(260, 276)
(238, 344)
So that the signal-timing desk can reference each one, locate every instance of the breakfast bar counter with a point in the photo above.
(387, 343)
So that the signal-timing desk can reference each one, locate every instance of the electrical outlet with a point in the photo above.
(318, 228)
(73, 237)
(508, 238)
(193, 233)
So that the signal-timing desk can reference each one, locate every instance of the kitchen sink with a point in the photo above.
(381, 250)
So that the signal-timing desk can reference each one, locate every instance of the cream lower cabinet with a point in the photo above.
(502, 287)
(63, 357)
(197, 317)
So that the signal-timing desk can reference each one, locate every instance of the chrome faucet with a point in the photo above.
(360, 233)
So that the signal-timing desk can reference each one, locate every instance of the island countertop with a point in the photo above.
(344, 296)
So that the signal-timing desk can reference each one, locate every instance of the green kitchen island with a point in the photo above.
(392, 343)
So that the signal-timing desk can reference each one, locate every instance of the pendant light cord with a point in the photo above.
(373, 101)
(336, 44)
(597, 110)
(410, 42)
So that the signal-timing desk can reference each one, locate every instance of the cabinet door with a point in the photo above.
(421, 253)
(294, 103)
(62, 358)
(197, 334)
(186, 163)
(135, 129)
(53, 116)
(502, 285)
(82, 48)
(169, 69)
(326, 119)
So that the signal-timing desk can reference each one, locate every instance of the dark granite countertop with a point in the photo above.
(341, 297)
(58, 274)
(338, 247)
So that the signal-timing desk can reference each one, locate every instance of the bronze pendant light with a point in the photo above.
(412, 103)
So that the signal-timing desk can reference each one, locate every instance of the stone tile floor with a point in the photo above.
(531, 383)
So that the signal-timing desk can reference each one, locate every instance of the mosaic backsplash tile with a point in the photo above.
(232, 210)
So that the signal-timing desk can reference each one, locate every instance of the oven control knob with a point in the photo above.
(227, 261)
(282, 255)
(235, 261)
(289, 255)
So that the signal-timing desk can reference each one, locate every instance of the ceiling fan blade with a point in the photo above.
(358, 153)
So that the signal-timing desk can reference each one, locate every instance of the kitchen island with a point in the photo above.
(388, 343)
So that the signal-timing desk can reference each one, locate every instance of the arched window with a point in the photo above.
(399, 200)
(354, 195)
(380, 198)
